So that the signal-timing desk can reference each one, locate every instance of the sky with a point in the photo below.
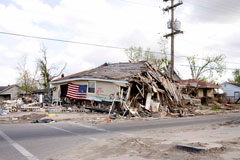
(210, 28)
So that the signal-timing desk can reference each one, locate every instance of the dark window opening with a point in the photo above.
(64, 89)
(91, 87)
(205, 92)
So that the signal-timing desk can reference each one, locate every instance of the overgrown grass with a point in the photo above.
(204, 108)
(215, 108)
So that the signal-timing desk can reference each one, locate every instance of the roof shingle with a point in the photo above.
(114, 71)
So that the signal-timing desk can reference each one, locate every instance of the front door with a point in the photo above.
(236, 95)
(205, 92)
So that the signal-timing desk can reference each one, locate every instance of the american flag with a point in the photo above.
(76, 91)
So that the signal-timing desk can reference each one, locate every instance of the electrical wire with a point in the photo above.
(137, 3)
(61, 40)
(185, 65)
(89, 44)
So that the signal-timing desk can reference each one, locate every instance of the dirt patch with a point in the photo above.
(114, 148)
(22, 119)
(160, 143)
(131, 148)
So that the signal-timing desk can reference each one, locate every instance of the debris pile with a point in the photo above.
(152, 92)
(21, 104)
(11, 105)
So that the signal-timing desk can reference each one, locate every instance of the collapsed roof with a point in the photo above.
(107, 71)
(114, 71)
(197, 83)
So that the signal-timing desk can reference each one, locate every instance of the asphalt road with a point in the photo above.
(37, 141)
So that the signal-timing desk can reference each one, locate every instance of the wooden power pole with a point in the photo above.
(174, 30)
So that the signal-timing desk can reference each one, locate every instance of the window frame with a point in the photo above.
(94, 87)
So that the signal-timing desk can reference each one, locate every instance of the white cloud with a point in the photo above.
(113, 23)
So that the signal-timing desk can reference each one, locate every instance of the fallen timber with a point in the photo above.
(151, 92)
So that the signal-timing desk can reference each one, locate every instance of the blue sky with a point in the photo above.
(210, 28)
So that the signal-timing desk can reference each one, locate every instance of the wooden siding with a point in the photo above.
(102, 90)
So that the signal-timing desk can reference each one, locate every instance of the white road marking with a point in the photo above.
(94, 139)
(18, 147)
(103, 130)
(64, 130)
(90, 127)
(93, 127)
(125, 134)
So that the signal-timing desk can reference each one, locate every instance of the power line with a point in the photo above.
(61, 40)
(221, 7)
(137, 3)
(224, 6)
(204, 59)
(184, 65)
(68, 41)
(89, 44)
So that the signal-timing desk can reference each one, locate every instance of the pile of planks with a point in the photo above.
(151, 92)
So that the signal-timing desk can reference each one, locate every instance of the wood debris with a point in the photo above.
(150, 92)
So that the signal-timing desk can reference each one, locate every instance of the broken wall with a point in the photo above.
(210, 92)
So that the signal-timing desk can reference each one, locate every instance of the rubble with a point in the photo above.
(3, 112)
(152, 92)
(26, 103)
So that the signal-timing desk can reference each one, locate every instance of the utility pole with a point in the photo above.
(175, 29)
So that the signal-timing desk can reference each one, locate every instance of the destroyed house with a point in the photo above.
(136, 88)
(98, 84)
(199, 88)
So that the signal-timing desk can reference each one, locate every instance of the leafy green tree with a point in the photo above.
(136, 54)
(236, 74)
(207, 67)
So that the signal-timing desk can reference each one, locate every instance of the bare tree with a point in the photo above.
(26, 81)
(209, 66)
(47, 73)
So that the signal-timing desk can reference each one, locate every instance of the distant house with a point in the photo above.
(9, 92)
(232, 91)
(203, 89)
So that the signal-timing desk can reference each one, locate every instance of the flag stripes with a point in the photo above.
(74, 91)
